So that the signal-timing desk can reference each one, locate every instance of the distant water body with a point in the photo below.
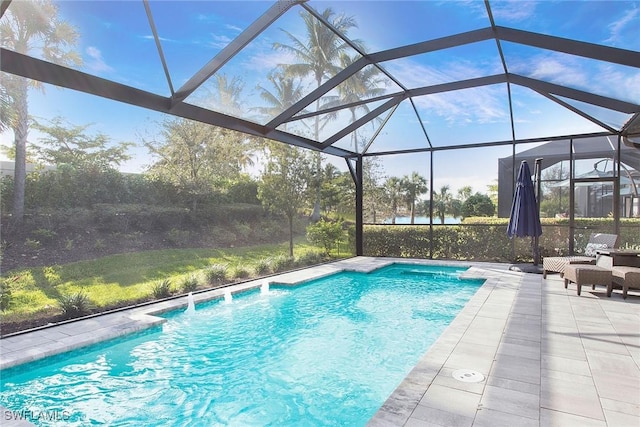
(423, 220)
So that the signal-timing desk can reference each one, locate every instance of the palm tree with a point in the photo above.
(27, 26)
(318, 55)
(395, 193)
(225, 94)
(442, 202)
(464, 193)
(287, 91)
(6, 113)
(414, 186)
(362, 85)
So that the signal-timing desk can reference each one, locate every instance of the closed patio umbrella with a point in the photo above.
(524, 220)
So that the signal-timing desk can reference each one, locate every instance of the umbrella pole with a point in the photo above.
(536, 239)
(536, 250)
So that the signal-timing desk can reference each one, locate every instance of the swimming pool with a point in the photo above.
(325, 353)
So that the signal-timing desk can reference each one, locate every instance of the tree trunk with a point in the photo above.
(290, 217)
(315, 216)
(21, 132)
(413, 212)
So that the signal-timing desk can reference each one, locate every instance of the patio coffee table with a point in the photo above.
(582, 274)
(608, 258)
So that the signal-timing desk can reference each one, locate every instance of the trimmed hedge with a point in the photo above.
(485, 239)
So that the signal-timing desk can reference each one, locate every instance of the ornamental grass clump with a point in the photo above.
(216, 274)
(75, 305)
(282, 263)
(161, 289)
(310, 258)
(263, 266)
(190, 283)
(240, 272)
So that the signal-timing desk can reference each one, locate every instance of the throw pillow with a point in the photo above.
(591, 248)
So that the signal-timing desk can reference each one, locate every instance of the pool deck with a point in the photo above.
(548, 356)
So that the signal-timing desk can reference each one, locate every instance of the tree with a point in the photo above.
(478, 205)
(492, 191)
(318, 55)
(455, 208)
(223, 94)
(337, 189)
(287, 90)
(464, 193)
(442, 202)
(6, 113)
(373, 196)
(283, 183)
(325, 233)
(362, 85)
(195, 157)
(414, 186)
(555, 198)
(29, 26)
(65, 143)
(394, 194)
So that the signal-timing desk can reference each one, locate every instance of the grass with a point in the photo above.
(130, 277)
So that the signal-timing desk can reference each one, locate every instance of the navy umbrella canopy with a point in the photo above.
(525, 216)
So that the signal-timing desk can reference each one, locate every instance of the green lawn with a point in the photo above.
(125, 277)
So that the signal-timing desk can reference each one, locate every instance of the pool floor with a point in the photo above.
(548, 356)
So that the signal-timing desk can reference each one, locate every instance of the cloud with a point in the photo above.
(96, 62)
(617, 28)
(234, 28)
(475, 105)
(513, 11)
(269, 60)
(558, 68)
(219, 41)
(150, 37)
(617, 82)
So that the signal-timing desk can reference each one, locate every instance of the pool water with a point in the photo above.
(327, 353)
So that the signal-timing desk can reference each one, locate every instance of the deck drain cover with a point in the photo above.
(468, 376)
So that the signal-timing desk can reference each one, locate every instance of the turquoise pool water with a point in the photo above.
(327, 353)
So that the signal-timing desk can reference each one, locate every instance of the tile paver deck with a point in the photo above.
(549, 357)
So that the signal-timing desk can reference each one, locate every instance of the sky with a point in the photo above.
(116, 43)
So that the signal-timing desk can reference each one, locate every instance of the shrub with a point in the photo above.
(240, 272)
(269, 229)
(325, 234)
(68, 244)
(75, 305)
(32, 244)
(161, 289)
(178, 237)
(44, 235)
(478, 205)
(263, 266)
(5, 294)
(222, 236)
(282, 263)
(138, 217)
(218, 213)
(242, 230)
(190, 283)
(216, 274)
(310, 258)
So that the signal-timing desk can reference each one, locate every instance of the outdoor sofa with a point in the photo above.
(596, 241)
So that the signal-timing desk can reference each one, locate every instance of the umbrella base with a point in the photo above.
(526, 268)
